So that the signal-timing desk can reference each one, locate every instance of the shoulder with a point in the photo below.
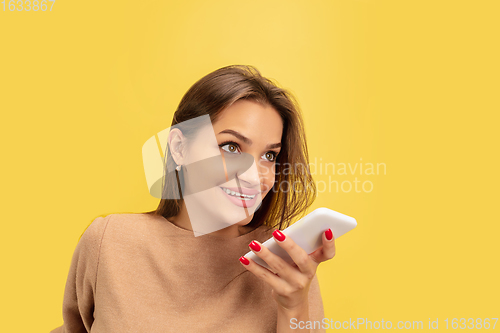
(109, 225)
(94, 231)
(125, 228)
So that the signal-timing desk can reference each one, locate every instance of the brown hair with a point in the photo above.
(219, 90)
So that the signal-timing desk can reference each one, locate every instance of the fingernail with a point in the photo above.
(254, 246)
(244, 261)
(329, 234)
(279, 235)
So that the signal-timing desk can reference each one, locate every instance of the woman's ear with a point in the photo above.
(176, 146)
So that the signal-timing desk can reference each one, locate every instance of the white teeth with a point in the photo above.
(237, 194)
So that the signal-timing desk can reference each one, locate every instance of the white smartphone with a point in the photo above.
(307, 233)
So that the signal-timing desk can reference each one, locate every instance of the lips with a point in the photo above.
(238, 194)
(240, 199)
(246, 191)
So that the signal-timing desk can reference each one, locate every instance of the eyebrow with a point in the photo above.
(247, 140)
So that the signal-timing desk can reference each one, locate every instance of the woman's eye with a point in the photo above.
(270, 156)
(230, 148)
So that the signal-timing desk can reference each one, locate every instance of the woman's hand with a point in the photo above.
(291, 282)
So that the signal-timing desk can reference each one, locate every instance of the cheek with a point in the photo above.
(267, 178)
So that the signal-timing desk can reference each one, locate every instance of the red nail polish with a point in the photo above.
(279, 235)
(254, 246)
(244, 261)
(329, 234)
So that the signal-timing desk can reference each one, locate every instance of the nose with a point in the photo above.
(250, 177)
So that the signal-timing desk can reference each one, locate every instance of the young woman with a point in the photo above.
(157, 272)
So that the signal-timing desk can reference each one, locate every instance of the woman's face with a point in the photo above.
(246, 127)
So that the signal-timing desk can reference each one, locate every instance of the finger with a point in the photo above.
(277, 264)
(264, 274)
(298, 255)
(327, 251)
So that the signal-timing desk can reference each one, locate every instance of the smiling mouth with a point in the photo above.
(238, 195)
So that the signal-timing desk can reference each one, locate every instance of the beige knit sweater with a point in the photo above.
(141, 273)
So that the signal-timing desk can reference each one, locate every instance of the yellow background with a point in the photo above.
(412, 84)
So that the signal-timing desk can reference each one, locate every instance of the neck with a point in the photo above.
(182, 221)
